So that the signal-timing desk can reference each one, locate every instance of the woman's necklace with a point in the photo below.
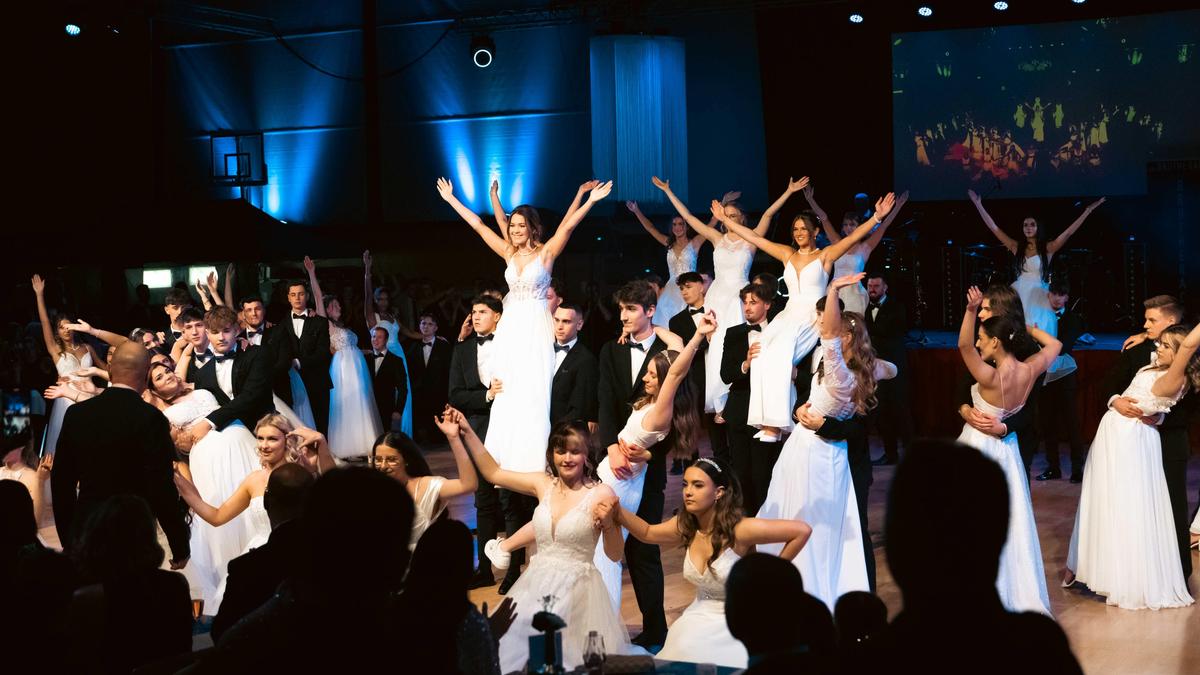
(528, 253)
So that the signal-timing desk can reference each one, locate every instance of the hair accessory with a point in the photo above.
(853, 323)
(710, 463)
(1010, 335)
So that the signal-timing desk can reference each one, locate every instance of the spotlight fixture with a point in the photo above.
(1079, 2)
(856, 18)
(1000, 6)
(483, 50)
(925, 10)
(73, 29)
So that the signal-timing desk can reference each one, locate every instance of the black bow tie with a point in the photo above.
(561, 348)
(1059, 313)
(177, 334)
(202, 356)
(754, 326)
(302, 317)
(427, 344)
(380, 355)
(637, 345)
(699, 310)
(480, 339)
(872, 305)
(221, 358)
(251, 332)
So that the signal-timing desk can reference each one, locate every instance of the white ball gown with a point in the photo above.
(259, 523)
(731, 270)
(811, 482)
(670, 301)
(1021, 581)
(628, 490)
(353, 417)
(523, 359)
(853, 261)
(700, 634)
(1035, 299)
(1123, 546)
(561, 578)
(787, 338)
(66, 365)
(219, 463)
(393, 346)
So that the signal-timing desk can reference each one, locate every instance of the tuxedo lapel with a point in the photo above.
(206, 378)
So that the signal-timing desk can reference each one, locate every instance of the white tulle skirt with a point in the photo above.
(523, 358)
(723, 300)
(670, 303)
(353, 417)
(219, 463)
(787, 338)
(629, 492)
(300, 409)
(1123, 546)
(700, 635)
(58, 410)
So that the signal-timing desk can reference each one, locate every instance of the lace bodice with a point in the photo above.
(832, 392)
(985, 407)
(68, 363)
(186, 410)
(342, 338)
(808, 283)
(427, 509)
(530, 284)
(634, 434)
(852, 262)
(1032, 268)
(682, 262)
(732, 258)
(573, 538)
(711, 584)
(1140, 390)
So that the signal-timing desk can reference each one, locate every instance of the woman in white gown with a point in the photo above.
(1123, 546)
(714, 535)
(561, 578)
(681, 257)
(69, 356)
(218, 463)
(1000, 390)
(398, 457)
(271, 434)
(854, 296)
(353, 417)
(376, 303)
(1031, 268)
(792, 334)
(522, 353)
(811, 479)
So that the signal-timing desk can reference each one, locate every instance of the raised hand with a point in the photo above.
(848, 280)
(81, 326)
(708, 323)
(229, 271)
(445, 188)
(600, 192)
(1095, 205)
(718, 210)
(39, 284)
(90, 371)
(884, 205)
(45, 467)
(797, 185)
(902, 199)
(973, 196)
(974, 298)
(367, 260)
(588, 185)
(664, 185)
(447, 423)
(502, 619)
(309, 265)
(632, 206)
(495, 188)
(731, 196)
(808, 192)
(211, 280)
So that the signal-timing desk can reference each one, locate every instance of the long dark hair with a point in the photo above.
(687, 232)
(727, 510)
(414, 462)
(560, 435)
(57, 318)
(685, 418)
(532, 221)
(1007, 330)
(1023, 245)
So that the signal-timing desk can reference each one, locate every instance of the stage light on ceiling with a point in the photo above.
(856, 18)
(73, 29)
(1079, 2)
(1000, 6)
(925, 10)
(483, 51)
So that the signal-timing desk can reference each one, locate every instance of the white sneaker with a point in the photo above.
(767, 436)
(498, 557)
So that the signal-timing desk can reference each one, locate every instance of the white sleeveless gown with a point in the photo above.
(700, 634)
(670, 301)
(66, 365)
(427, 509)
(353, 418)
(853, 261)
(731, 270)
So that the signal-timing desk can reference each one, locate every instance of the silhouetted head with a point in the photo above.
(287, 490)
(119, 540)
(767, 609)
(130, 366)
(18, 527)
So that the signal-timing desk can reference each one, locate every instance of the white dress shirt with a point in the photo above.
(200, 358)
(225, 374)
(697, 316)
(427, 349)
(878, 303)
(638, 356)
(298, 324)
(560, 355)
(255, 339)
(483, 362)
(377, 360)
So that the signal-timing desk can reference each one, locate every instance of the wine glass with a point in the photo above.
(594, 654)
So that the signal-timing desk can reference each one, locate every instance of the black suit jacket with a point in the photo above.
(389, 384)
(433, 378)
(1174, 426)
(1070, 327)
(112, 444)
(573, 392)
(251, 388)
(254, 576)
(617, 396)
(280, 360)
(887, 331)
(467, 393)
(734, 353)
(682, 325)
(311, 349)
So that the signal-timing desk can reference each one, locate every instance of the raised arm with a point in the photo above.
(876, 236)
(314, 453)
(467, 481)
(107, 336)
(659, 416)
(661, 534)
(216, 516)
(1050, 350)
(184, 359)
(979, 369)
(39, 290)
(830, 231)
(584, 188)
(494, 241)
(793, 534)
(1058, 242)
(780, 252)
(368, 292)
(1009, 242)
(525, 483)
(1170, 382)
(646, 224)
(210, 283)
(831, 322)
(562, 234)
(703, 229)
(764, 223)
(318, 297)
(883, 206)
(229, 272)
(499, 212)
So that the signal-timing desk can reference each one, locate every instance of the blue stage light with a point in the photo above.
(73, 29)
(483, 51)
(1000, 6)
(925, 10)
(856, 18)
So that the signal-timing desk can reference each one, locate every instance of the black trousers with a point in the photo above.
(752, 462)
(1175, 452)
(859, 456)
(318, 398)
(518, 510)
(892, 417)
(645, 565)
(1059, 422)
(718, 437)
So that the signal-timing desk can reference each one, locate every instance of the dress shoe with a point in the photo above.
(1076, 478)
(884, 461)
(482, 579)
(651, 643)
(499, 558)
(1050, 474)
(507, 583)
(677, 468)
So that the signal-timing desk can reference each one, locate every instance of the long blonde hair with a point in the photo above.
(274, 419)
(860, 359)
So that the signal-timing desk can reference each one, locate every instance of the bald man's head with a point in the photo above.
(129, 366)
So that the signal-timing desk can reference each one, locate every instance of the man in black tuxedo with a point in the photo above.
(1161, 312)
(254, 576)
(887, 324)
(683, 324)
(751, 459)
(239, 379)
(191, 321)
(1058, 396)
(174, 302)
(116, 443)
(472, 390)
(576, 376)
(388, 381)
(259, 334)
(622, 367)
(307, 346)
(429, 373)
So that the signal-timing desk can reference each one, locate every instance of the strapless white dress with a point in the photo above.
(670, 300)
(853, 261)
(260, 523)
(700, 634)
(353, 417)
(731, 270)
(428, 509)
(66, 365)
